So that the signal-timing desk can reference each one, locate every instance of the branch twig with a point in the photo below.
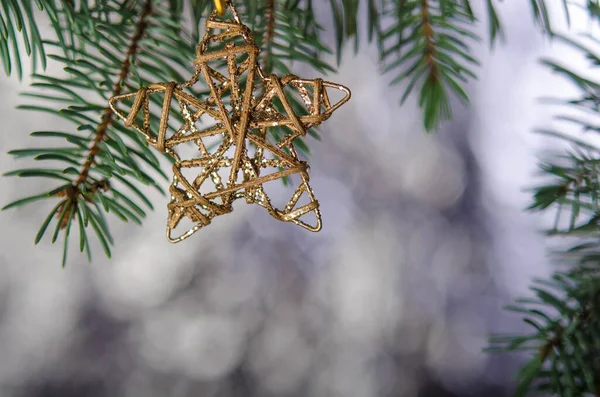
(430, 50)
(107, 115)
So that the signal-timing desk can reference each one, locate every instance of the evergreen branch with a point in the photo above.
(108, 112)
(438, 55)
(102, 150)
(575, 185)
(287, 31)
(564, 345)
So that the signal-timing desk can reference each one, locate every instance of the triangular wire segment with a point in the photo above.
(299, 214)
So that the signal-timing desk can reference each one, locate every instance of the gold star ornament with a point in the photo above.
(239, 138)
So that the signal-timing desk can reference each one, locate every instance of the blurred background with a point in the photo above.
(424, 241)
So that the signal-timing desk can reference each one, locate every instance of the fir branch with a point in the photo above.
(100, 150)
(123, 75)
(565, 314)
(430, 47)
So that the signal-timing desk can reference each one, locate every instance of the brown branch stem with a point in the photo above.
(108, 113)
(429, 33)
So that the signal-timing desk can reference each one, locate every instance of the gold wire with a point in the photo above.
(244, 124)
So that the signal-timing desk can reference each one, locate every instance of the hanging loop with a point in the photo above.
(220, 7)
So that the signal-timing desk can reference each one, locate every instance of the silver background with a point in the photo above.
(424, 240)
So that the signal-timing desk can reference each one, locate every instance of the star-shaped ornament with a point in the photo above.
(246, 138)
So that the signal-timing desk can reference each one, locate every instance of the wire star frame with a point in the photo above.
(240, 140)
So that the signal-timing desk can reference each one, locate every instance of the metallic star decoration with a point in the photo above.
(235, 153)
